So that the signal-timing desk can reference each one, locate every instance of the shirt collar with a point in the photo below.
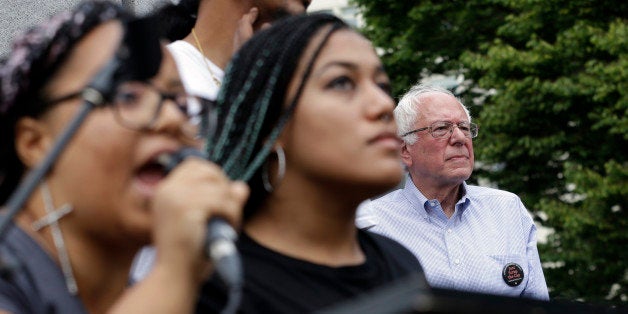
(419, 201)
(464, 201)
(415, 197)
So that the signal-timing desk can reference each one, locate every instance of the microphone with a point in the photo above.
(220, 236)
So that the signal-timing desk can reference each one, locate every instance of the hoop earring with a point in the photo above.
(281, 160)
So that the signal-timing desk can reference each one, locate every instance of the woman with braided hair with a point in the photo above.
(204, 35)
(305, 118)
(70, 247)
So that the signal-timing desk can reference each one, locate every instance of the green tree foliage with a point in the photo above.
(420, 38)
(554, 131)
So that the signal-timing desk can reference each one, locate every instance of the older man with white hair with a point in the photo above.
(466, 237)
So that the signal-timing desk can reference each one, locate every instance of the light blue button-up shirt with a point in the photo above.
(489, 230)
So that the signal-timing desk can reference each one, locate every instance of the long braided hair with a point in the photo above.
(252, 105)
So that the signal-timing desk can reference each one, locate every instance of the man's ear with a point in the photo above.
(32, 141)
(405, 155)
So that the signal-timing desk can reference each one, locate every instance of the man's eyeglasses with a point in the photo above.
(137, 106)
(440, 129)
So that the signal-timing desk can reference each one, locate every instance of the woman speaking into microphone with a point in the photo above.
(305, 117)
(74, 239)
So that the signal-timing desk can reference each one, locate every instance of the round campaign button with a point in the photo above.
(512, 274)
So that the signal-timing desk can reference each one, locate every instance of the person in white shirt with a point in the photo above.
(206, 33)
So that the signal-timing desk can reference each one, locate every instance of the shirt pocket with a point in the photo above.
(508, 273)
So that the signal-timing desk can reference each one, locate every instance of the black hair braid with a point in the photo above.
(245, 104)
(176, 21)
(285, 117)
(252, 107)
(231, 116)
(261, 75)
(253, 123)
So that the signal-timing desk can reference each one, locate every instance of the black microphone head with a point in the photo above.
(170, 160)
(140, 51)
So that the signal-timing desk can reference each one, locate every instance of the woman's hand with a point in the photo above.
(185, 200)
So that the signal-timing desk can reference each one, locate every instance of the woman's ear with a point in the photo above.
(32, 141)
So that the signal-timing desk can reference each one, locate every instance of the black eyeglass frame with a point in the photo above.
(206, 106)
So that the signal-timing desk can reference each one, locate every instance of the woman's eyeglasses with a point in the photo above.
(137, 106)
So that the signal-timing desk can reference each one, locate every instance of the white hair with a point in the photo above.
(407, 110)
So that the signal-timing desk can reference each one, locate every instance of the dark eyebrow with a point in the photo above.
(346, 64)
